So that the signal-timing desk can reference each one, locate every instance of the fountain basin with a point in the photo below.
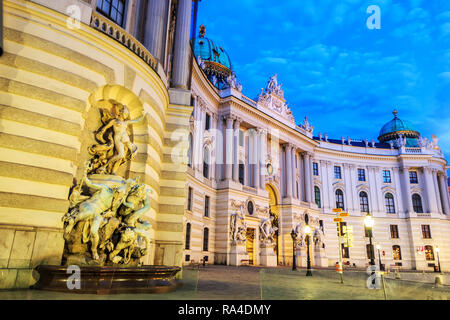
(106, 279)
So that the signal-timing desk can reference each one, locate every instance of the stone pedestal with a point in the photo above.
(267, 256)
(301, 259)
(237, 254)
(320, 258)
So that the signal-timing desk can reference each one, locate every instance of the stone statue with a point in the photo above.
(318, 237)
(300, 236)
(267, 230)
(115, 146)
(238, 226)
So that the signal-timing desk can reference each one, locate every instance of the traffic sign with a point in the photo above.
(337, 210)
(337, 219)
(343, 214)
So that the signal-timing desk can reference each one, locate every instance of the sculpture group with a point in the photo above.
(105, 223)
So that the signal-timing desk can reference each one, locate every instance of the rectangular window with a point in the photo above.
(207, 122)
(315, 168)
(113, 10)
(337, 172)
(206, 206)
(189, 204)
(345, 252)
(413, 177)
(361, 175)
(394, 231)
(321, 226)
(426, 233)
(386, 176)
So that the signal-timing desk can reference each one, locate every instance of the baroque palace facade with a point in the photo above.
(229, 178)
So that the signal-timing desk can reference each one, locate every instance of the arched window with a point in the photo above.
(389, 202)
(417, 203)
(429, 254)
(187, 245)
(205, 239)
(339, 199)
(206, 162)
(396, 253)
(190, 141)
(364, 201)
(317, 196)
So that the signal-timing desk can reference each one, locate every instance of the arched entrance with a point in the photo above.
(274, 211)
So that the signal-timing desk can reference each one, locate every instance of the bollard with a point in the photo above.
(438, 280)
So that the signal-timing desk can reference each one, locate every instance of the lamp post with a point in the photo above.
(369, 222)
(308, 258)
(439, 262)
(379, 257)
(294, 249)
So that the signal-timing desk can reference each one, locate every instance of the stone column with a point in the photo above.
(444, 193)
(180, 71)
(196, 135)
(308, 181)
(429, 189)
(325, 192)
(256, 171)
(202, 136)
(262, 158)
(437, 193)
(407, 191)
(294, 172)
(220, 148)
(214, 146)
(229, 148)
(397, 197)
(237, 124)
(288, 170)
(155, 27)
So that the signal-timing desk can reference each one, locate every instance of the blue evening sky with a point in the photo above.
(346, 78)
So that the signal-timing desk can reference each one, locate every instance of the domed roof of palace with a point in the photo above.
(396, 127)
(210, 51)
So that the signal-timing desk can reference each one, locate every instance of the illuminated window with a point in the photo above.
(429, 254)
(396, 253)
(113, 10)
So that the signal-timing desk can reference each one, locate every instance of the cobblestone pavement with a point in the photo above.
(254, 283)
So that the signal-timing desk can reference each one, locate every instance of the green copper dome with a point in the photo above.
(210, 51)
(396, 127)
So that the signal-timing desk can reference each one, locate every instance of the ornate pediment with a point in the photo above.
(272, 98)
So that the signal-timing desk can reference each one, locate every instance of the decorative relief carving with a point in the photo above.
(273, 99)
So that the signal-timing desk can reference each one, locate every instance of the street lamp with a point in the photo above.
(369, 222)
(308, 261)
(439, 262)
(379, 257)
(294, 249)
